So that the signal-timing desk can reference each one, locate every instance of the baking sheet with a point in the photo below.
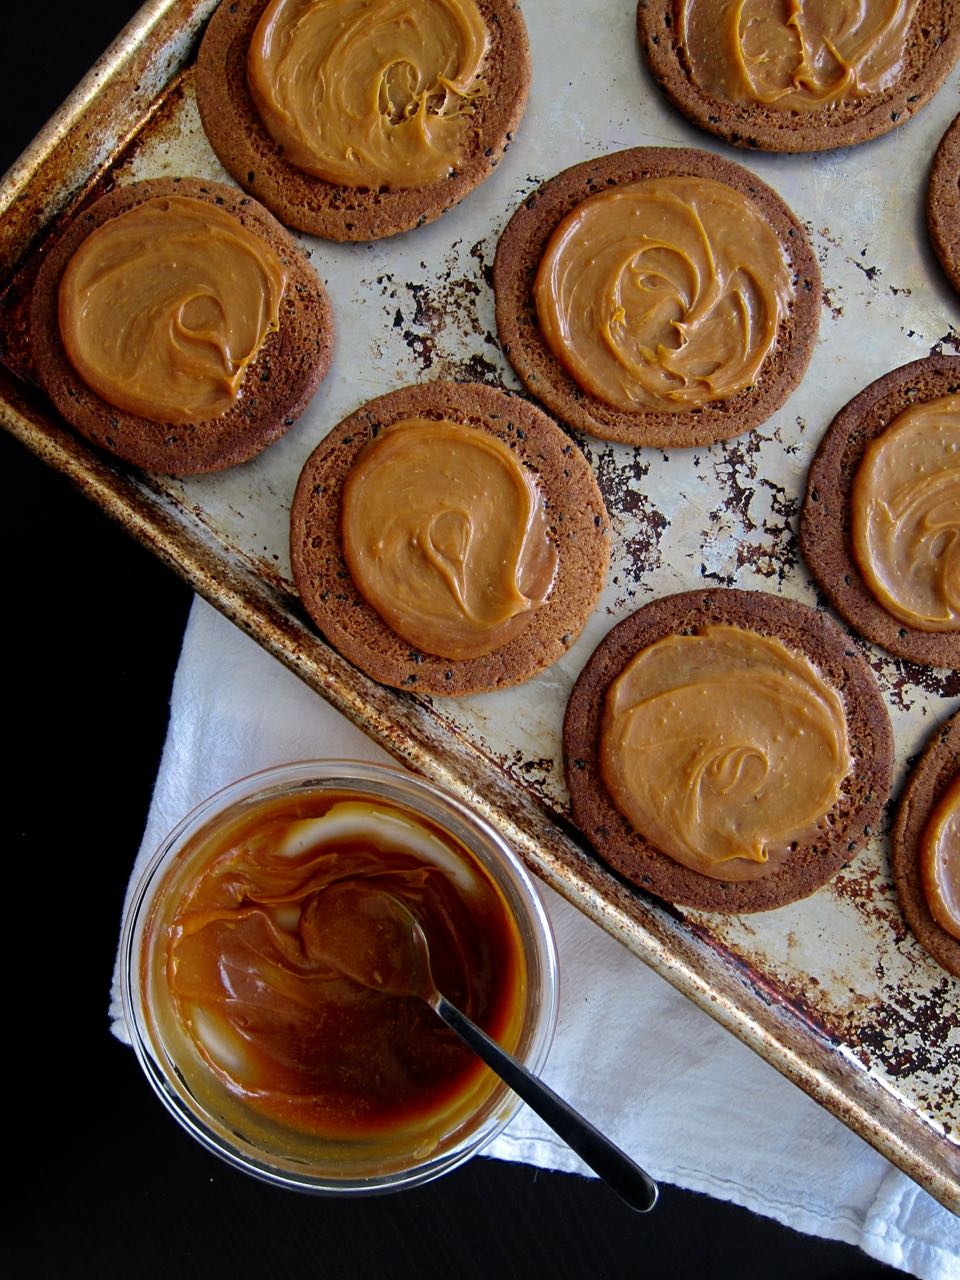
(832, 990)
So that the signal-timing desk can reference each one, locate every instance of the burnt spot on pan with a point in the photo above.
(902, 1034)
(872, 273)
(790, 437)
(866, 887)
(441, 319)
(623, 477)
(914, 1034)
(753, 529)
(483, 253)
(533, 774)
(829, 301)
(735, 468)
(948, 344)
(904, 683)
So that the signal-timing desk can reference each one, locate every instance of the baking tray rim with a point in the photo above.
(155, 46)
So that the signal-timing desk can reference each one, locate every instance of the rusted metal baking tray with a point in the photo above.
(832, 990)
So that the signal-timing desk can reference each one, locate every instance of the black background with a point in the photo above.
(105, 1183)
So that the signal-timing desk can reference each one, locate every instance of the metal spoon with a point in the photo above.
(374, 939)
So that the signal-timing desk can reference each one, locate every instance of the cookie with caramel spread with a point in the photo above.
(930, 780)
(742, 731)
(657, 296)
(943, 203)
(417, 102)
(177, 325)
(805, 76)
(882, 543)
(449, 539)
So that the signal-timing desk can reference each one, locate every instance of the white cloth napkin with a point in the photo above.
(692, 1104)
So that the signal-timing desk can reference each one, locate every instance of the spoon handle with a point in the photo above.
(624, 1175)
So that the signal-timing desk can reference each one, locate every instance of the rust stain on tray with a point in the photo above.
(438, 312)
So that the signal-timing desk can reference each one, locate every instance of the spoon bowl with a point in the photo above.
(372, 938)
(376, 940)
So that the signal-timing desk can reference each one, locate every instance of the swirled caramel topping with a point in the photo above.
(445, 535)
(162, 308)
(905, 516)
(252, 996)
(369, 93)
(664, 294)
(940, 860)
(724, 749)
(795, 55)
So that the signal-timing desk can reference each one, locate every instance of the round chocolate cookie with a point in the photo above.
(842, 831)
(943, 203)
(256, 161)
(932, 46)
(275, 388)
(931, 776)
(524, 241)
(578, 527)
(825, 537)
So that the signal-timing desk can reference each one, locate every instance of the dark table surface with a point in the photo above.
(105, 1182)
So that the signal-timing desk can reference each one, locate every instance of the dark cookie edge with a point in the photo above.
(943, 203)
(250, 425)
(930, 776)
(324, 209)
(358, 632)
(824, 531)
(521, 246)
(754, 128)
(799, 627)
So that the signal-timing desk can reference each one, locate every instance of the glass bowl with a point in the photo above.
(406, 1149)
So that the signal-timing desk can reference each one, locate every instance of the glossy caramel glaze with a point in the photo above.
(162, 308)
(795, 55)
(940, 860)
(445, 535)
(369, 93)
(665, 293)
(905, 516)
(724, 749)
